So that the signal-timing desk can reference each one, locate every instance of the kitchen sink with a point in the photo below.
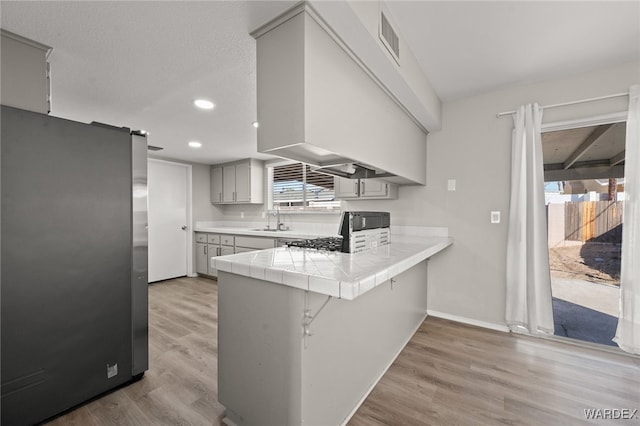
(265, 229)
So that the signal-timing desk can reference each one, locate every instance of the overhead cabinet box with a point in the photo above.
(25, 73)
(318, 104)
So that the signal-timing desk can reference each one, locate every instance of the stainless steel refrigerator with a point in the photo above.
(74, 263)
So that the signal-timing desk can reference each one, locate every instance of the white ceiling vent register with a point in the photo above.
(389, 38)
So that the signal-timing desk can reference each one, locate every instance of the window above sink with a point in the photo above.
(294, 187)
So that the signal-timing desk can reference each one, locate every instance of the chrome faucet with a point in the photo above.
(268, 219)
(279, 225)
(275, 213)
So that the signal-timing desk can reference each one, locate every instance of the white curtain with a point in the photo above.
(628, 332)
(528, 304)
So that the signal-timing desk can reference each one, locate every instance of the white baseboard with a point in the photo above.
(456, 318)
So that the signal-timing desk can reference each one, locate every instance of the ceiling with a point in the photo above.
(467, 48)
(594, 152)
(141, 64)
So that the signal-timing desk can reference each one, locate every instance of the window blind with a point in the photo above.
(295, 185)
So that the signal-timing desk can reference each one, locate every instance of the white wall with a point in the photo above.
(474, 147)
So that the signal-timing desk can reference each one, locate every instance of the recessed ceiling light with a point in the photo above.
(195, 144)
(203, 104)
(256, 124)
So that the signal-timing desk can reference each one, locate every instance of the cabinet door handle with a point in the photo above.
(362, 187)
(219, 251)
(205, 249)
(386, 189)
(356, 188)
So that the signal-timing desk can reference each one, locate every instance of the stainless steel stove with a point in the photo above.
(327, 244)
(358, 231)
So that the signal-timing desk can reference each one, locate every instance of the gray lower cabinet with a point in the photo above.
(213, 250)
(201, 258)
(246, 243)
(210, 245)
(225, 250)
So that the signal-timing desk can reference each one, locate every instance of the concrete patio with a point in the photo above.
(584, 310)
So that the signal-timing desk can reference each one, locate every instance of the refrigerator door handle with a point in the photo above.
(140, 245)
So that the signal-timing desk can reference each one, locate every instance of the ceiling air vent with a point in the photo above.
(389, 38)
(154, 148)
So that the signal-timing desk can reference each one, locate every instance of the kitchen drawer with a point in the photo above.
(226, 240)
(255, 242)
(213, 238)
(201, 238)
(244, 249)
(225, 251)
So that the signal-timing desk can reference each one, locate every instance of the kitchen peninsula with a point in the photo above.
(304, 335)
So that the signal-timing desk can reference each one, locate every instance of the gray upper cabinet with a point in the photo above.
(243, 183)
(371, 188)
(346, 188)
(360, 189)
(25, 73)
(238, 182)
(229, 184)
(216, 184)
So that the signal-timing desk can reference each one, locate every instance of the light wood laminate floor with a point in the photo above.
(449, 374)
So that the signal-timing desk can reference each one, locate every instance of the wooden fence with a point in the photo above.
(593, 221)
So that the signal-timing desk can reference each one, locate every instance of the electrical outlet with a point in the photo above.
(451, 185)
(495, 217)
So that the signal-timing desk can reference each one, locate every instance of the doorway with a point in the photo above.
(169, 219)
(584, 197)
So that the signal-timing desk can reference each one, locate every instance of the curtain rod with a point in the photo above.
(599, 98)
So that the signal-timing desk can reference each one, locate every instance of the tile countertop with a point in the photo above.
(342, 275)
(259, 233)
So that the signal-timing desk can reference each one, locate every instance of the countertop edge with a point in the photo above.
(348, 290)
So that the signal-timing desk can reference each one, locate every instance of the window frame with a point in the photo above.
(304, 209)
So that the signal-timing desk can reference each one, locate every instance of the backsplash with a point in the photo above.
(251, 216)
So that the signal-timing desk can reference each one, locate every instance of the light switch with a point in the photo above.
(451, 185)
(495, 217)
(241, 215)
